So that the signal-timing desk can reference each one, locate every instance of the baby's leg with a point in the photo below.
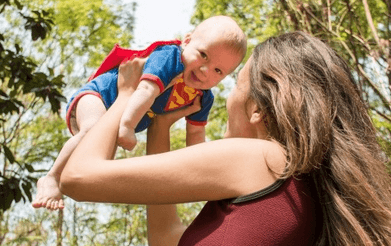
(138, 104)
(89, 109)
(126, 132)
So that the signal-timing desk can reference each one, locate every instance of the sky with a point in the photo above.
(161, 20)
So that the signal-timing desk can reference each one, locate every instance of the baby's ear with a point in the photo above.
(187, 38)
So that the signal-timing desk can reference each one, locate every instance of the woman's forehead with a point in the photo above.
(245, 71)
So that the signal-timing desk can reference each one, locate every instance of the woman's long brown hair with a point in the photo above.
(318, 116)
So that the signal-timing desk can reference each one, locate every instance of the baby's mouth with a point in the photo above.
(194, 77)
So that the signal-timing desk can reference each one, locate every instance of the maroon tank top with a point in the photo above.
(283, 213)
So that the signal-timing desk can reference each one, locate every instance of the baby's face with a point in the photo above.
(207, 63)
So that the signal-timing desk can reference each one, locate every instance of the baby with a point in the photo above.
(175, 73)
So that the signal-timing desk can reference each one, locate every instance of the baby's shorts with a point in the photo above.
(105, 87)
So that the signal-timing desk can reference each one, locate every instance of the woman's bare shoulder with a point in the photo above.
(271, 150)
(255, 163)
(271, 153)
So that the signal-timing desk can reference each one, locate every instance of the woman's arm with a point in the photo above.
(194, 134)
(164, 225)
(208, 171)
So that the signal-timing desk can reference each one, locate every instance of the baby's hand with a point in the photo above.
(126, 138)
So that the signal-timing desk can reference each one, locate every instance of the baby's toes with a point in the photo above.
(61, 204)
(37, 203)
(48, 204)
(42, 202)
(55, 205)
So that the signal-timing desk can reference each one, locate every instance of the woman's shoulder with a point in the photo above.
(270, 152)
(254, 163)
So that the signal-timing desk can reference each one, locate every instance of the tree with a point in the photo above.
(40, 53)
(20, 80)
(23, 231)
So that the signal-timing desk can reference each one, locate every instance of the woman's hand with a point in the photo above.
(129, 74)
(158, 135)
(167, 119)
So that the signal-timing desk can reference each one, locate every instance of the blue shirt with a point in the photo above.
(164, 64)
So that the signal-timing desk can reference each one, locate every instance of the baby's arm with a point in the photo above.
(194, 134)
(139, 103)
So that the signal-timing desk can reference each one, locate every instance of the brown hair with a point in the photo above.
(319, 118)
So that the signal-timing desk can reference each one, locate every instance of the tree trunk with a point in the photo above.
(59, 227)
(74, 236)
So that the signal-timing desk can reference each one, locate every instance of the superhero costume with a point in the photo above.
(164, 65)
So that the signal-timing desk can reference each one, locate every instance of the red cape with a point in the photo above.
(118, 54)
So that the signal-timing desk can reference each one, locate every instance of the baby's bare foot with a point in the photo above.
(126, 138)
(49, 195)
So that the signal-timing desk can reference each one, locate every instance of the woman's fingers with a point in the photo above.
(196, 106)
(172, 117)
(129, 74)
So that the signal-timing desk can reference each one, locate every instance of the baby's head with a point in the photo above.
(212, 51)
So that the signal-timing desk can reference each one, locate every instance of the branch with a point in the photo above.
(382, 115)
(18, 126)
(374, 87)
(353, 46)
(291, 16)
(329, 14)
(332, 32)
(370, 22)
(369, 81)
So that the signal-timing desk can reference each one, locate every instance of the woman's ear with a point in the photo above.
(255, 113)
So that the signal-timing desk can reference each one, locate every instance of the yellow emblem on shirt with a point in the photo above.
(181, 95)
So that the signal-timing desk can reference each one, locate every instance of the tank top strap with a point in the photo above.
(255, 195)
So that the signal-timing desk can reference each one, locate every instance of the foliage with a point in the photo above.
(20, 80)
(127, 225)
(40, 55)
(23, 231)
(91, 28)
(188, 211)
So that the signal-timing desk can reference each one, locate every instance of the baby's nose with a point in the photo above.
(204, 69)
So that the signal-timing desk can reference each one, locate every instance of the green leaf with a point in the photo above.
(29, 168)
(27, 190)
(6, 196)
(2, 93)
(8, 200)
(17, 195)
(18, 5)
(8, 154)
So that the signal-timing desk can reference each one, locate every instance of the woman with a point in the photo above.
(299, 164)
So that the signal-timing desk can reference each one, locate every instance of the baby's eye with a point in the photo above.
(203, 55)
(218, 71)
